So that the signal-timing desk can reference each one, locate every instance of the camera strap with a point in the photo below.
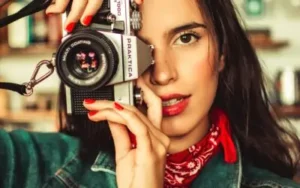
(21, 89)
(26, 88)
(31, 8)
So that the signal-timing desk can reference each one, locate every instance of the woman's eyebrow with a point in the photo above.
(178, 29)
(184, 27)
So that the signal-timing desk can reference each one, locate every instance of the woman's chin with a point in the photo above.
(174, 129)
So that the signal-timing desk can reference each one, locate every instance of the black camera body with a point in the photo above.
(103, 61)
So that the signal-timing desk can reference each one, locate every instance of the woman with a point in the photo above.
(207, 121)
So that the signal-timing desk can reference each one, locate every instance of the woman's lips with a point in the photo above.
(179, 107)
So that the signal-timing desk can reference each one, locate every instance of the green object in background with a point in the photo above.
(254, 7)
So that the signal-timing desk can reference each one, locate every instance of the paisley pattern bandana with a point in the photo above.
(183, 167)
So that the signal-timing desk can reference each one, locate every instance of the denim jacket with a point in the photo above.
(50, 160)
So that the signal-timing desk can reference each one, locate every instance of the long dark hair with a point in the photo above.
(241, 94)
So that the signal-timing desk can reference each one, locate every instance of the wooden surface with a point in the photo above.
(287, 111)
(30, 116)
(31, 50)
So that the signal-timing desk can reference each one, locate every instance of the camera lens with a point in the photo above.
(86, 60)
(85, 63)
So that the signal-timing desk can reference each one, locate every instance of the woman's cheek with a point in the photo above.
(193, 60)
(199, 64)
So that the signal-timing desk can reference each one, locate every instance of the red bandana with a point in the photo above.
(183, 167)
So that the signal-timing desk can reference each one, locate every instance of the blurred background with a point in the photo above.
(273, 27)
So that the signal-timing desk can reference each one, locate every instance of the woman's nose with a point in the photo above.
(163, 72)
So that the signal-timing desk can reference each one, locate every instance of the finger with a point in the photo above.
(137, 127)
(121, 140)
(75, 13)
(106, 114)
(58, 7)
(102, 105)
(146, 142)
(91, 9)
(123, 148)
(138, 2)
(153, 102)
(111, 115)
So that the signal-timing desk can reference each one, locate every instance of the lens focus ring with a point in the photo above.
(87, 60)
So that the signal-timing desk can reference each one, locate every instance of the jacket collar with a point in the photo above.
(105, 163)
(216, 171)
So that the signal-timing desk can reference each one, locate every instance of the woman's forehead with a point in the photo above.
(168, 14)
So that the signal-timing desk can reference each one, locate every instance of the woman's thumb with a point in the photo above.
(153, 102)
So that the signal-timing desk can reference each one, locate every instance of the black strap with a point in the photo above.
(21, 89)
(31, 8)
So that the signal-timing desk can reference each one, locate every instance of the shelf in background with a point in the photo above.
(30, 116)
(33, 49)
(272, 45)
(261, 39)
(287, 111)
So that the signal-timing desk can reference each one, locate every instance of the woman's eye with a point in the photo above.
(187, 39)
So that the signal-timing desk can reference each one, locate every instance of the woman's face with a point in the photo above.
(185, 74)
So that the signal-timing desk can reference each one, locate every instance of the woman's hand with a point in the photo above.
(142, 166)
(82, 10)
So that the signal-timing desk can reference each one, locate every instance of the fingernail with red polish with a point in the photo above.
(89, 101)
(87, 20)
(70, 27)
(132, 139)
(92, 113)
(118, 106)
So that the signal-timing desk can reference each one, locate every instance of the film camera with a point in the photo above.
(103, 60)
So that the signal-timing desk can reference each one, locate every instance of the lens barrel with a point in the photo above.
(86, 60)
